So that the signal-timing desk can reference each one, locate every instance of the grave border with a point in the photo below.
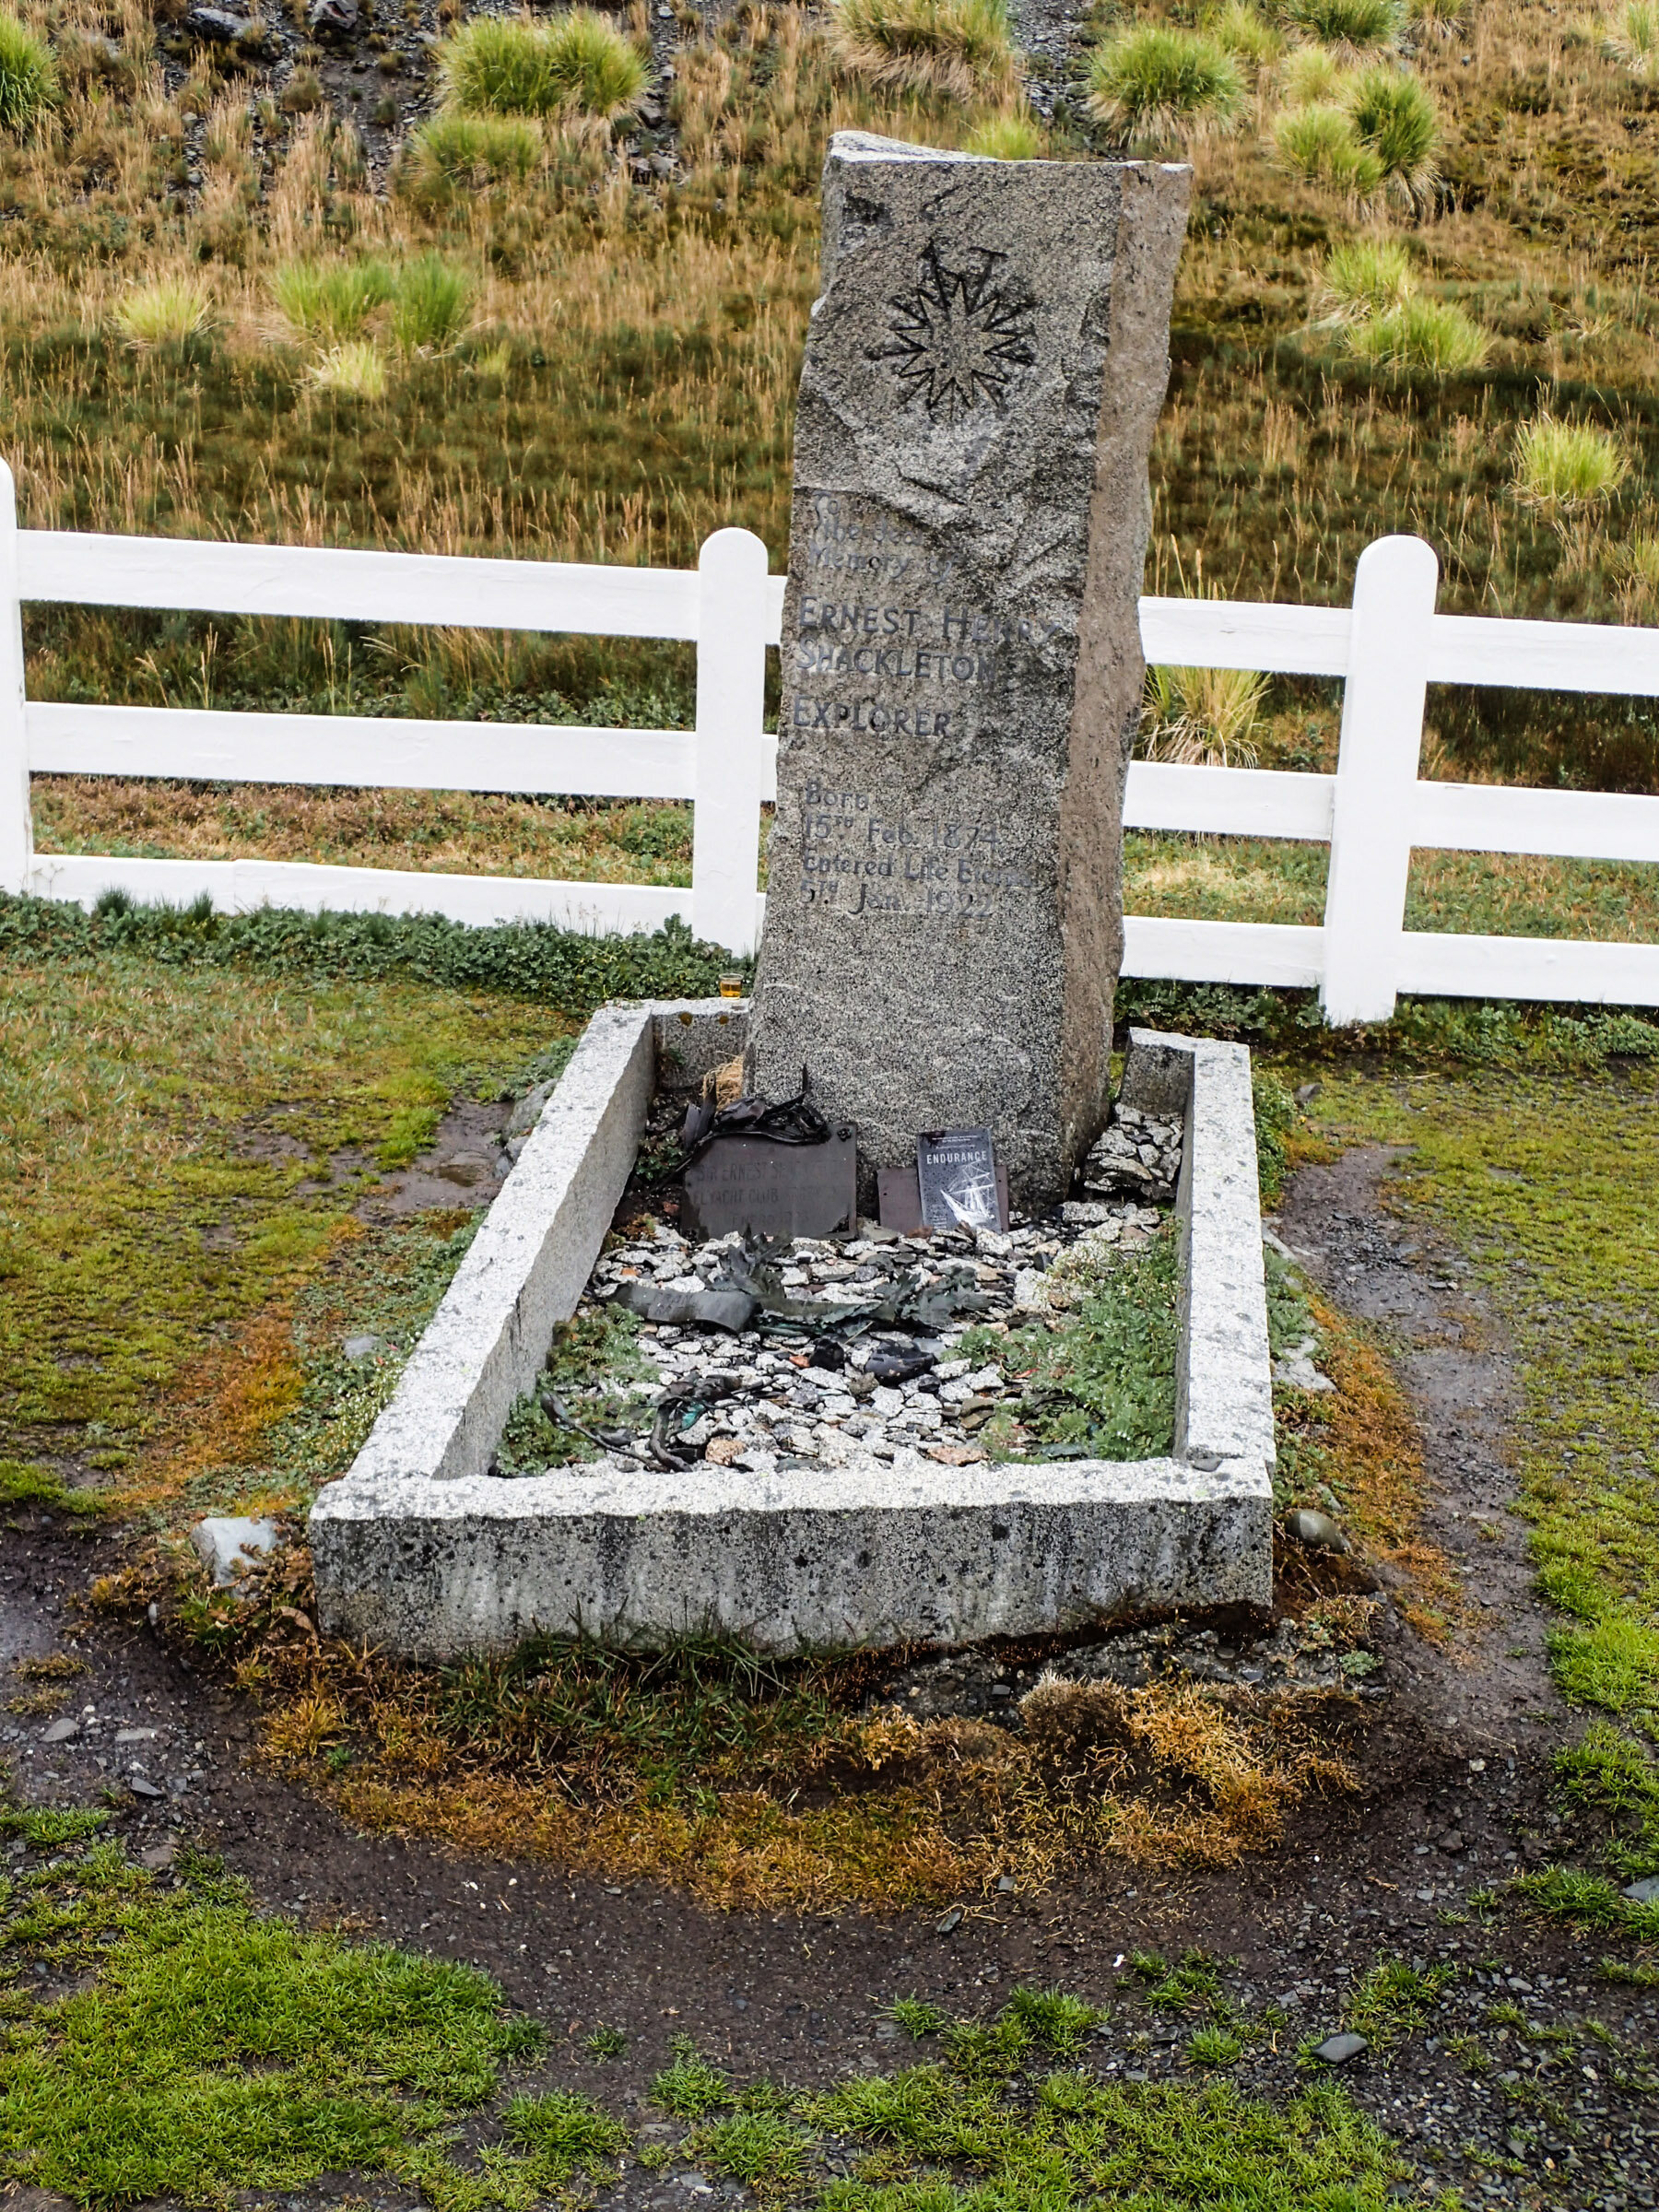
(423, 1552)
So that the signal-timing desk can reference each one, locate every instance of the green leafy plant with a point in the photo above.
(959, 48)
(328, 302)
(219, 2049)
(1589, 1900)
(917, 2018)
(1360, 25)
(1055, 2020)
(1214, 2047)
(570, 2133)
(431, 303)
(1156, 82)
(1103, 1383)
(29, 75)
(165, 311)
(689, 2087)
(1392, 2000)
(1563, 468)
(569, 63)
(604, 2043)
(756, 2143)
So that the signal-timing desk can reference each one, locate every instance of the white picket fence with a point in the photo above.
(1386, 647)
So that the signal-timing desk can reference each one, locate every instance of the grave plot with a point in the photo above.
(739, 1470)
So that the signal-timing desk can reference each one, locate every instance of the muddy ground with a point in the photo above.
(1457, 1800)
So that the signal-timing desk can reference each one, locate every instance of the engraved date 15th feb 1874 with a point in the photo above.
(856, 859)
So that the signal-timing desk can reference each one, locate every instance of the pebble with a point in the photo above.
(59, 1731)
(896, 1396)
(1317, 1532)
(362, 1348)
(1337, 2049)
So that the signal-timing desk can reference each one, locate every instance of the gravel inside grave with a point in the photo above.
(800, 1394)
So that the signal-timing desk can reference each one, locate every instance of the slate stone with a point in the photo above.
(1337, 2049)
(141, 1788)
(361, 1348)
(760, 1187)
(332, 18)
(59, 1731)
(216, 25)
(962, 662)
(1645, 1892)
(731, 1310)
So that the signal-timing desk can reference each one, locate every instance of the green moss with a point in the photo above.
(1544, 1184)
(1101, 1383)
(219, 2051)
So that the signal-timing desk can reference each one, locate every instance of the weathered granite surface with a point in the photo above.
(962, 666)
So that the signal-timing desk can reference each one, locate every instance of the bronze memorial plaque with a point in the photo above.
(766, 1189)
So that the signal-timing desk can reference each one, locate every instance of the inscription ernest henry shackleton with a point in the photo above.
(961, 648)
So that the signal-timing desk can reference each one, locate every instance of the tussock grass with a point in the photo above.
(1158, 83)
(1422, 334)
(1354, 26)
(354, 368)
(1365, 277)
(1203, 717)
(1014, 137)
(1244, 32)
(1396, 120)
(1633, 40)
(1319, 142)
(329, 301)
(431, 305)
(1310, 73)
(452, 151)
(1562, 466)
(961, 49)
(577, 63)
(30, 82)
(166, 311)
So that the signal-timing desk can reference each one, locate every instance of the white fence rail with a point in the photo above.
(1387, 647)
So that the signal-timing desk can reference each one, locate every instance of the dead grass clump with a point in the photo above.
(960, 48)
(1361, 1437)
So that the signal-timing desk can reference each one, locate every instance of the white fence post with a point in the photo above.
(17, 826)
(731, 702)
(1376, 778)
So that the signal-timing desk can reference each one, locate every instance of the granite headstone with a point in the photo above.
(963, 668)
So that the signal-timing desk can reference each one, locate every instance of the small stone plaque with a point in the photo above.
(956, 1174)
(766, 1189)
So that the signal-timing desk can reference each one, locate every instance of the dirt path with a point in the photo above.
(1456, 1801)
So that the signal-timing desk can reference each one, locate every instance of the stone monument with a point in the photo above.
(962, 668)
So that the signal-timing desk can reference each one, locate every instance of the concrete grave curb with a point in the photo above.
(423, 1552)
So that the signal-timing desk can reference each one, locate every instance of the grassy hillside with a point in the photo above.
(575, 336)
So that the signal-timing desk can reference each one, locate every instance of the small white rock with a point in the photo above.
(228, 1543)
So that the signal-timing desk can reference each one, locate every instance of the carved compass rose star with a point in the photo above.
(958, 339)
